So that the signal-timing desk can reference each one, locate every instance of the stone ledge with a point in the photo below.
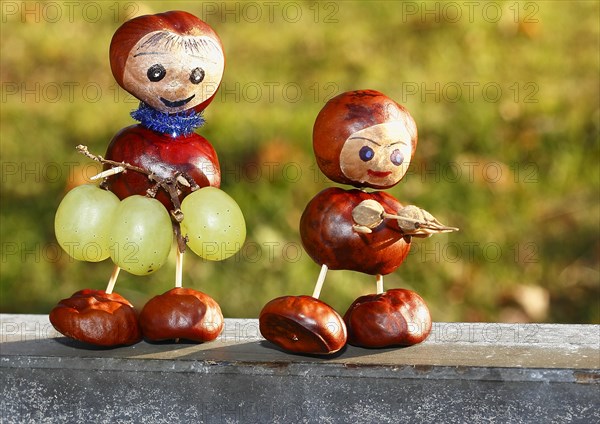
(464, 372)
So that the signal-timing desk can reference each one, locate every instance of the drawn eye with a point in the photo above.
(156, 72)
(397, 157)
(366, 153)
(197, 76)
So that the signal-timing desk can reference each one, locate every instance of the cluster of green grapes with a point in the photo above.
(92, 224)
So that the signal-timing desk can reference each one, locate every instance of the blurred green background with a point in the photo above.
(505, 95)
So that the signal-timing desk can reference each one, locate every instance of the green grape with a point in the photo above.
(82, 222)
(213, 223)
(141, 235)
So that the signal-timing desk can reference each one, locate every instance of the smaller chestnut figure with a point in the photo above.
(364, 139)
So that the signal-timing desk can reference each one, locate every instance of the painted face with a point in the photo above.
(171, 72)
(377, 155)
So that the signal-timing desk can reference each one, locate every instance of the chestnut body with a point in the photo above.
(98, 318)
(328, 236)
(164, 156)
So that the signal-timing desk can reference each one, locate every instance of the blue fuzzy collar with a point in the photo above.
(175, 125)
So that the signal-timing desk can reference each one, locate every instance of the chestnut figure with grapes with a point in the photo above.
(160, 179)
(366, 140)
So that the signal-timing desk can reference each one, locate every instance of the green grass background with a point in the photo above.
(506, 98)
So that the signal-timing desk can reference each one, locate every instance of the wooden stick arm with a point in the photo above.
(412, 220)
(418, 222)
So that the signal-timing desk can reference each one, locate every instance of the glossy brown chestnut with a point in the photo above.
(98, 318)
(398, 317)
(328, 236)
(164, 156)
(346, 114)
(181, 313)
(303, 324)
(175, 22)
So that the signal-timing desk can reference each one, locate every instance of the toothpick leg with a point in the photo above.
(178, 268)
(379, 283)
(320, 280)
(113, 279)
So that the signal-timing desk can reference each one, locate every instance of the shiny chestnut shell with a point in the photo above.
(181, 313)
(346, 114)
(328, 236)
(175, 21)
(303, 324)
(98, 318)
(397, 317)
(163, 155)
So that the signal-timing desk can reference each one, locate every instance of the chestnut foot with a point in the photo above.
(181, 313)
(302, 324)
(398, 317)
(98, 318)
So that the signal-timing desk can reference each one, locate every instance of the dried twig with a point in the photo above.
(171, 185)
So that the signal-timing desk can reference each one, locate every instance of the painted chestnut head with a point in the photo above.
(365, 139)
(172, 61)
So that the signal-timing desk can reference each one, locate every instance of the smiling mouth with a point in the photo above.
(378, 174)
(177, 103)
